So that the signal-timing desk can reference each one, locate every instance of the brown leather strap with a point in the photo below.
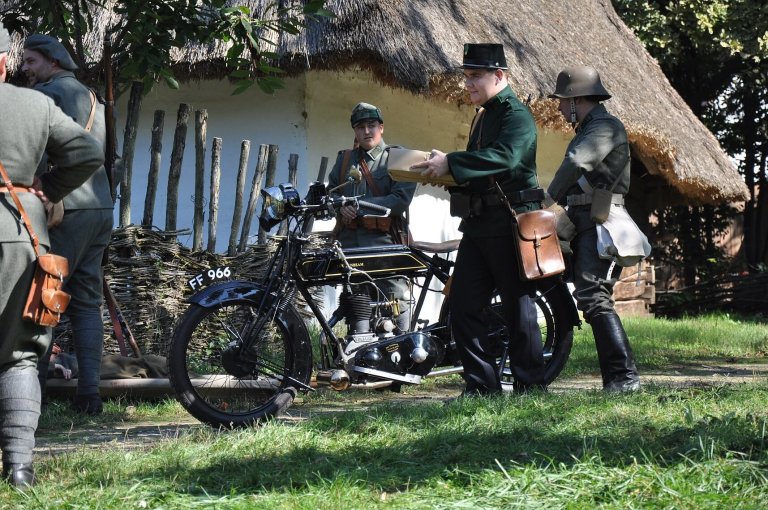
(345, 165)
(4, 189)
(477, 124)
(27, 223)
(369, 177)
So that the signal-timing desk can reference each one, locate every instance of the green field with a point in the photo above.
(699, 446)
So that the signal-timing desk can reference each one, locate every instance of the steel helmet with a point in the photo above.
(579, 81)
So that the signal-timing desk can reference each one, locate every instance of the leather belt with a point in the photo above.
(514, 197)
(586, 199)
(4, 189)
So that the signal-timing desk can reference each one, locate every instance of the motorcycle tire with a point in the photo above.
(556, 320)
(220, 385)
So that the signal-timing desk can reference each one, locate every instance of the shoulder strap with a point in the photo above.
(345, 165)
(93, 111)
(369, 178)
(24, 217)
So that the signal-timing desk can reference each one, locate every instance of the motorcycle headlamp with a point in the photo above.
(277, 202)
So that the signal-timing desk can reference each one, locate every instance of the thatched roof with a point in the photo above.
(416, 45)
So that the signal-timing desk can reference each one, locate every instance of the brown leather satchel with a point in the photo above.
(538, 247)
(45, 301)
(539, 251)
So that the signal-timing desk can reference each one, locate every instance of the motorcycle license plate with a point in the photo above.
(209, 276)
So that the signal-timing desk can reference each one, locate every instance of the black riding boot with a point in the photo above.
(617, 363)
(19, 475)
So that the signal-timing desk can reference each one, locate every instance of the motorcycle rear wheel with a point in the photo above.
(221, 383)
(555, 323)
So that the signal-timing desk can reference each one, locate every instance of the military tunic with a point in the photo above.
(502, 146)
(86, 229)
(32, 125)
(394, 195)
(600, 153)
(82, 237)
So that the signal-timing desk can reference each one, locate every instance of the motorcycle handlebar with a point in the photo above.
(376, 207)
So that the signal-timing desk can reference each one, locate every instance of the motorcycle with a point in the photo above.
(243, 349)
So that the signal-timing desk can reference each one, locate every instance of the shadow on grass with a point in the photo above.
(426, 443)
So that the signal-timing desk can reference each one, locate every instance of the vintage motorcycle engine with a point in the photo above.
(413, 353)
(378, 348)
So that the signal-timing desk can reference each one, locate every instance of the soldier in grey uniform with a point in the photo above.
(353, 230)
(597, 157)
(86, 229)
(31, 125)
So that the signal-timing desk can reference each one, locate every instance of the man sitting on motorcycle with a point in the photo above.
(353, 228)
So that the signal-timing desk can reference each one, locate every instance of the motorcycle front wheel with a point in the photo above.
(231, 366)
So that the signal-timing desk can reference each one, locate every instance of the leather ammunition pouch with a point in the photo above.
(381, 224)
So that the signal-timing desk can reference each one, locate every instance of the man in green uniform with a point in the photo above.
(86, 229)
(375, 186)
(31, 125)
(597, 157)
(501, 150)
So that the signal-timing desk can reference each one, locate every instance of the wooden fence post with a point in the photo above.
(155, 156)
(242, 170)
(201, 128)
(213, 207)
(323, 168)
(177, 155)
(261, 167)
(269, 181)
(129, 144)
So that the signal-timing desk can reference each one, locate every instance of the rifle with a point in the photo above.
(109, 119)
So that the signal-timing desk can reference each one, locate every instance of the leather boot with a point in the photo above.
(617, 363)
(88, 404)
(19, 475)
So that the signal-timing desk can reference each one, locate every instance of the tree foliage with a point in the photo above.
(715, 54)
(145, 32)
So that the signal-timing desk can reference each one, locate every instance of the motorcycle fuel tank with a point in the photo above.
(378, 262)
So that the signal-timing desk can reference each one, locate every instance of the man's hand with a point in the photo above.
(348, 214)
(435, 166)
(66, 373)
(37, 187)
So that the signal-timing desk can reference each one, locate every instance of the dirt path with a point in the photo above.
(129, 436)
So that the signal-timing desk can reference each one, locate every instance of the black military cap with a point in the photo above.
(485, 56)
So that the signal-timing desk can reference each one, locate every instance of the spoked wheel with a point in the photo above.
(223, 383)
(556, 321)
(556, 325)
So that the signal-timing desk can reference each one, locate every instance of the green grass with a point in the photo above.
(659, 343)
(697, 447)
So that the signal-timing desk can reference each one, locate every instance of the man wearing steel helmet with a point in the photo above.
(353, 230)
(31, 125)
(597, 157)
(86, 228)
(501, 152)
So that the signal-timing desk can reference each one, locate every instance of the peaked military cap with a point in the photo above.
(52, 49)
(484, 56)
(5, 39)
(365, 111)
